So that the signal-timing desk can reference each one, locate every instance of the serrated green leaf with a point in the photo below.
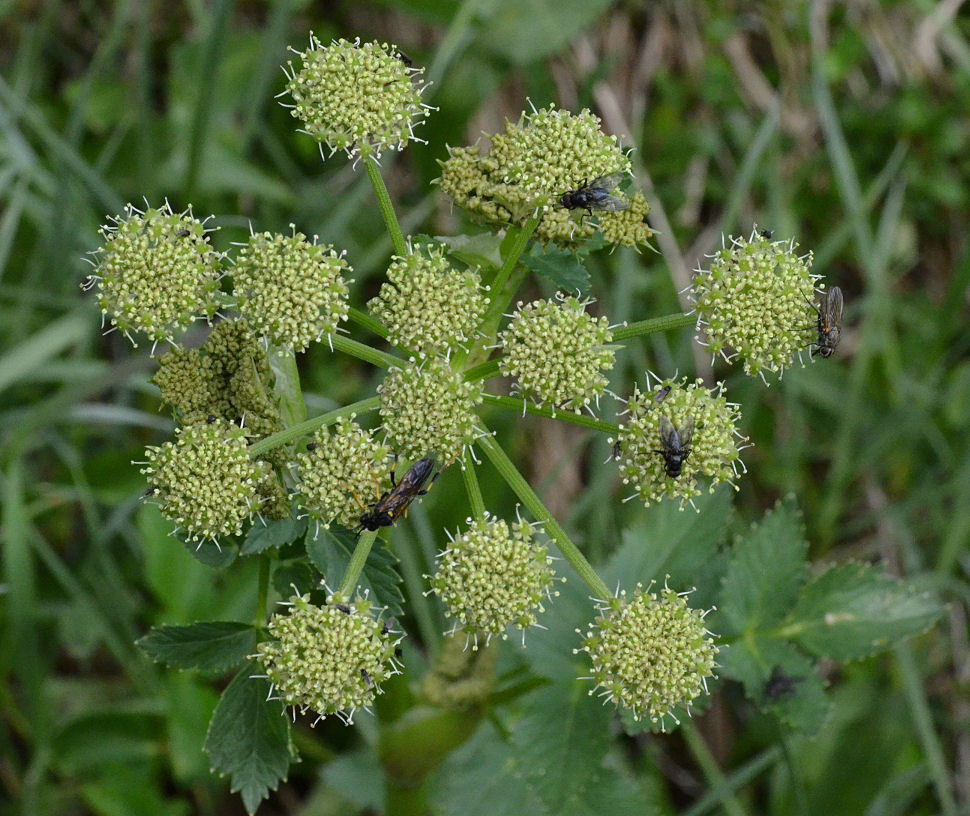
(854, 610)
(670, 542)
(779, 678)
(766, 570)
(214, 647)
(559, 744)
(272, 534)
(474, 250)
(561, 267)
(330, 553)
(249, 738)
(216, 556)
(297, 574)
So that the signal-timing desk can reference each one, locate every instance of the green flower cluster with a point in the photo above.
(491, 577)
(548, 153)
(342, 471)
(330, 659)
(429, 409)
(156, 272)
(714, 446)
(357, 97)
(292, 291)
(205, 481)
(428, 306)
(757, 299)
(650, 654)
(557, 353)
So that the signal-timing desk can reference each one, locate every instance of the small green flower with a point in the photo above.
(341, 471)
(330, 659)
(292, 291)
(756, 299)
(428, 306)
(650, 654)
(429, 409)
(156, 272)
(191, 383)
(627, 227)
(361, 98)
(714, 446)
(491, 577)
(205, 481)
(557, 353)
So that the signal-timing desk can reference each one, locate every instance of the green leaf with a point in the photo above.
(213, 647)
(330, 553)
(216, 556)
(97, 738)
(766, 570)
(780, 679)
(272, 534)
(561, 267)
(297, 574)
(249, 738)
(854, 610)
(475, 250)
(124, 788)
(672, 542)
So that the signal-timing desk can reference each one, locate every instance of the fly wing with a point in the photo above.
(686, 431)
(832, 306)
(612, 203)
(668, 434)
(607, 183)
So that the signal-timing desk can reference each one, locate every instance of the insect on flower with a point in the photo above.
(595, 196)
(675, 444)
(395, 502)
(829, 323)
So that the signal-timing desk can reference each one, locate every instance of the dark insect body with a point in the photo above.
(367, 678)
(343, 608)
(661, 395)
(829, 324)
(595, 196)
(394, 503)
(779, 684)
(408, 62)
(675, 444)
(766, 234)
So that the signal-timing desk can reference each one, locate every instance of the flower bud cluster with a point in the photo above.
(429, 409)
(491, 577)
(548, 153)
(341, 472)
(291, 290)
(650, 654)
(361, 98)
(714, 445)
(205, 481)
(428, 306)
(329, 659)
(156, 272)
(557, 353)
(757, 299)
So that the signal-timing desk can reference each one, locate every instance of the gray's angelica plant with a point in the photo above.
(242, 452)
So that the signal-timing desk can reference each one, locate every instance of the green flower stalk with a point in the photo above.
(428, 306)
(649, 654)
(156, 273)
(205, 481)
(714, 447)
(491, 577)
(757, 300)
(361, 98)
(429, 409)
(342, 470)
(557, 353)
(292, 291)
(329, 659)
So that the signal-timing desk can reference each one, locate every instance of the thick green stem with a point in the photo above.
(308, 426)
(362, 352)
(482, 371)
(387, 209)
(712, 773)
(528, 497)
(357, 561)
(656, 324)
(519, 242)
(584, 421)
(365, 321)
(286, 385)
(473, 490)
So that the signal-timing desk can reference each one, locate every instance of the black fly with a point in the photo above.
(779, 684)
(829, 322)
(675, 444)
(394, 503)
(596, 196)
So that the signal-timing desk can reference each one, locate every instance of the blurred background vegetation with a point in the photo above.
(843, 125)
